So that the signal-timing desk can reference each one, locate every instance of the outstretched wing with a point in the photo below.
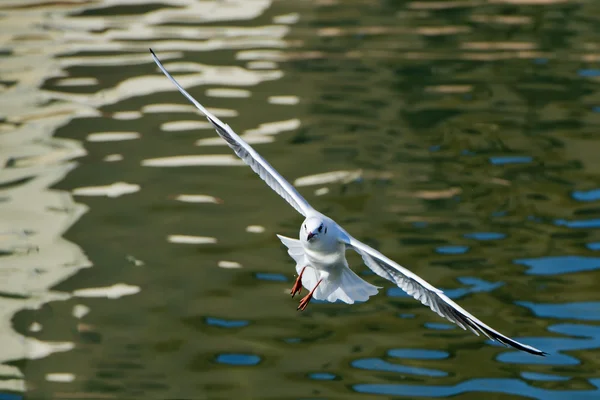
(246, 153)
(430, 295)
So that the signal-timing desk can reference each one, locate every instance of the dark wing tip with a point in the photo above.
(151, 51)
(537, 353)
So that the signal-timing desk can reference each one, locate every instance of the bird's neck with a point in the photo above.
(324, 245)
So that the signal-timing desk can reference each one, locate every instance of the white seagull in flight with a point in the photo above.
(320, 253)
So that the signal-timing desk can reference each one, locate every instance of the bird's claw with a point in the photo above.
(297, 288)
(304, 302)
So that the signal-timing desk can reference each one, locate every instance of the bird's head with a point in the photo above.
(313, 229)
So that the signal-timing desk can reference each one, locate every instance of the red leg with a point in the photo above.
(306, 299)
(297, 288)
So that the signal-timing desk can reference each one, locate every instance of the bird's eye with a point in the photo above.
(320, 227)
(325, 230)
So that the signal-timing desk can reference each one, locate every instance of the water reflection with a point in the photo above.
(458, 137)
(514, 387)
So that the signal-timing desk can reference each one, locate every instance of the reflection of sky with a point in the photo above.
(238, 359)
(584, 311)
(579, 223)
(452, 249)
(589, 195)
(377, 364)
(508, 386)
(226, 323)
(555, 265)
(510, 160)
(574, 337)
(485, 235)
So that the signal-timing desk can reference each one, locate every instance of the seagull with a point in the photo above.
(320, 251)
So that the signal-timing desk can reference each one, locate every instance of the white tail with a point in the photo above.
(345, 285)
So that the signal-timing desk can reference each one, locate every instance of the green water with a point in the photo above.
(463, 137)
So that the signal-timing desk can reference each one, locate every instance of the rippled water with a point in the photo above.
(139, 257)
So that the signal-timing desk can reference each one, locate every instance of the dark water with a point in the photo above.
(458, 137)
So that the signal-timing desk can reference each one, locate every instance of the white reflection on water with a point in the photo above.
(188, 239)
(273, 128)
(114, 190)
(261, 65)
(255, 229)
(233, 93)
(112, 136)
(229, 264)
(64, 377)
(198, 198)
(77, 82)
(32, 163)
(190, 161)
(113, 158)
(176, 126)
(328, 177)
(42, 48)
(80, 311)
(127, 115)
(284, 100)
(111, 292)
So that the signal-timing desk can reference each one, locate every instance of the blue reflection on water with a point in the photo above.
(589, 73)
(439, 326)
(10, 396)
(322, 376)
(485, 235)
(238, 359)
(579, 224)
(418, 354)
(585, 311)
(578, 337)
(508, 386)
(510, 160)
(586, 195)
(406, 315)
(476, 286)
(224, 323)
(593, 246)
(452, 249)
(377, 364)
(266, 276)
(536, 376)
(554, 265)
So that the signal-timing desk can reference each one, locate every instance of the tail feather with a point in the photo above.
(345, 286)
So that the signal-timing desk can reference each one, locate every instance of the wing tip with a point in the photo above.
(537, 352)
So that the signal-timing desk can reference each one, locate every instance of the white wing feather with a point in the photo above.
(430, 295)
(246, 153)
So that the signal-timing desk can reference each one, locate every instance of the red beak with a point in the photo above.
(310, 235)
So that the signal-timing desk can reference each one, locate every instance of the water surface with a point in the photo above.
(140, 257)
